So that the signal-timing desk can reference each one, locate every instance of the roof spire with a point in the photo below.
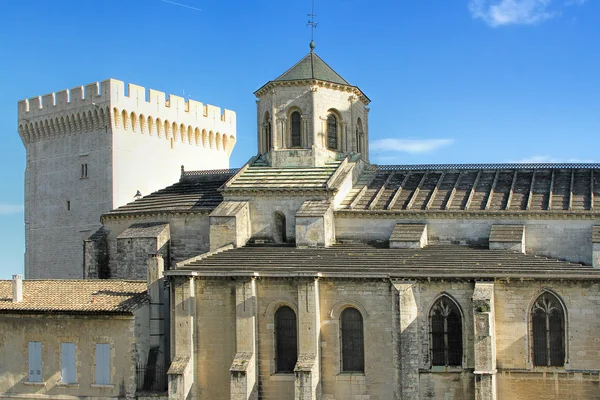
(313, 25)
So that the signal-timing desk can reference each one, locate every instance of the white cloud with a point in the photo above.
(409, 145)
(507, 12)
(6, 209)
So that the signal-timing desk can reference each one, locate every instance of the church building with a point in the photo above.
(310, 273)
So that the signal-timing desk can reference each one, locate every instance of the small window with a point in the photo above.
(286, 339)
(68, 205)
(332, 139)
(296, 126)
(103, 364)
(353, 347)
(35, 361)
(84, 171)
(446, 333)
(548, 329)
(67, 363)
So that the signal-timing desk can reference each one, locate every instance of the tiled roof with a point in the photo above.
(459, 188)
(259, 176)
(195, 192)
(358, 260)
(74, 296)
(311, 67)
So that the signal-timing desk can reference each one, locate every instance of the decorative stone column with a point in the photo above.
(183, 311)
(485, 341)
(244, 369)
(407, 341)
(308, 366)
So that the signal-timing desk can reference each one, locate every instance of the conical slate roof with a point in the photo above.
(312, 67)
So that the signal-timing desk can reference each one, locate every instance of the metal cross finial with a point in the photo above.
(313, 25)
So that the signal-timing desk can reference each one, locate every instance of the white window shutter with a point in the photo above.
(103, 364)
(35, 361)
(68, 362)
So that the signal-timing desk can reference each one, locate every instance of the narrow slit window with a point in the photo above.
(332, 139)
(296, 129)
(68, 205)
(84, 170)
(286, 339)
(353, 347)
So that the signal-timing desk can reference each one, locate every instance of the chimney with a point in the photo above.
(17, 287)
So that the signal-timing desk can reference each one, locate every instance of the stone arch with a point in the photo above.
(182, 132)
(341, 305)
(142, 123)
(274, 305)
(79, 124)
(124, 118)
(167, 125)
(204, 138)
(230, 144)
(116, 116)
(225, 142)
(150, 122)
(90, 121)
(197, 136)
(211, 139)
(174, 131)
(133, 120)
(565, 318)
(159, 127)
(97, 122)
(190, 134)
(72, 123)
(218, 141)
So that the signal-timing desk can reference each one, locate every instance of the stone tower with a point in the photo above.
(91, 149)
(310, 114)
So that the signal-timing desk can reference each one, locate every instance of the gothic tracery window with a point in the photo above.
(446, 333)
(296, 125)
(332, 137)
(286, 339)
(548, 329)
(353, 347)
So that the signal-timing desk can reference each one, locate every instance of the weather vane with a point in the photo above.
(313, 25)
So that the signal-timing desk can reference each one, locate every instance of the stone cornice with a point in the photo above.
(165, 213)
(314, 83)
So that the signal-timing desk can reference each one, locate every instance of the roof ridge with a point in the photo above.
(422, 167)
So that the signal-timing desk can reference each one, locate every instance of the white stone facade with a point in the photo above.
(90, 150)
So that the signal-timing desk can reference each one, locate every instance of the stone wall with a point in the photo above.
(85, 331)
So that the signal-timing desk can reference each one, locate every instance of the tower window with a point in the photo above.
(332, 139)
(446, 333)
(84, 171)
(68, 205)
(296, 129)
(353, 348)
(548, 329)
(286, 339)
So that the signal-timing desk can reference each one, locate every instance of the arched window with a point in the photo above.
(268, 142)
(548, 329)
(296, 126)
(279, 228)
(286, 339)
(446, 333)
(353, 347)
(332, 142)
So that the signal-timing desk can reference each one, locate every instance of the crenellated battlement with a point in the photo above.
(132, 108)
(114, 91)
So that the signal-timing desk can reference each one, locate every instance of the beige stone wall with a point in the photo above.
(548, 386)
(564, 239)
(17, 330)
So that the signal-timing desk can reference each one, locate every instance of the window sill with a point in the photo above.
(97, 385)
(439, 368)
(64, 384)
(34, 383)
(283, 376)
(351, 376)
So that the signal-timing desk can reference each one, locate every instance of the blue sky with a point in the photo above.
(451, 81)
